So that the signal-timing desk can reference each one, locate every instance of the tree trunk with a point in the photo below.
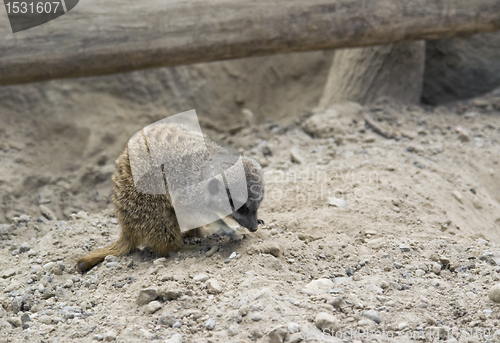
(101, 37)
(365, 74)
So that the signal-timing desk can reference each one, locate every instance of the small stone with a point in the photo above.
(402, 326)
(293, 327)
(98, 338)
(337, 202)
(68, 283)
(48, 266)
(404, 248)
(494, 293)
(110, 336)
(213, 286)
(276, 335)
(111, 264)
(81, 215)
(25, 318)
(269, 247)
(177, 324)
(15, 322)
(325, 321)
(200, 278)
(419, 273)
(146, 296)
(177, 338)
(336, 302)
(376, 243)
(8, 273)
(160, 261)
(210, 324)
(318, 286)
(436, 268)
(47, 213)
(372, 315)
(24, 247)
(256, 317)
(296, 156)
(384, 284)
(169, 294)
(152, 307)
(458, 196)
(212, 251)
(429, 319)
(167, 319)
(233, 255)
(233, 330)
(24, 218)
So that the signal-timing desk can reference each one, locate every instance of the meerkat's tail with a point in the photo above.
(121, 247)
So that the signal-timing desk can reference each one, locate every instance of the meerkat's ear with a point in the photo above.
(214, 187)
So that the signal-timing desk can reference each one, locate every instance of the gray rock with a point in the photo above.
(152, 307)
(336, 302)
(25, 318)
(167, 319)
(177, 324)
(372, 315)
(98, 338)
(276, 335)
(213, 286)
(233, 330)
(24, 247)
(110, 336)
(404, 248)
(200, 278)
(494, 293)
(47, 213)
(15, 322)
(146, 296)
(168, 294)
(210, 324)
(177, 338)
(325, 321)
(293, 327)
(337, 202)
(318, 286)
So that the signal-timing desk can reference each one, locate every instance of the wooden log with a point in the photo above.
(101, 37)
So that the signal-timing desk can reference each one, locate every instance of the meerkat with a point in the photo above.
(150, 220)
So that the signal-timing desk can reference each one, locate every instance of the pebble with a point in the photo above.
(48, 266)
(296, 156)
(213, 286)
(201, 278)
(146, 296)
(429, 319)
(68, 283)
(212, 251)
(494, 293)
(293, 327)
(25, 318)
(110, 336)
(153, 306)
(372, 315)
(24, 247)
(8, 273)
(336, 302)
(402, 326)
(325, 320)
(167, 319)
(233, 255)
(268, 247)
(277, 335)
(15, 321)
(177, 324)
(337, 202)
(233, 330)
(405, 248)
(47, 213)
(256, 317)
(111, 264)
(97, 338)
(177, 338)
(169, 294)
(210, 324)
(318, 286)
(458, 196)
(419, 272)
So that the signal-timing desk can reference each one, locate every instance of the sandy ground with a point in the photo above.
(381, 221)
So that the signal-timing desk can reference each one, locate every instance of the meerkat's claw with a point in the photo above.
(260, 221)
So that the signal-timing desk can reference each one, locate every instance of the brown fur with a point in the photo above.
(146, 219)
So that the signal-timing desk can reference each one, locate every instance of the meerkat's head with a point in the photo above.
(245, 202)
